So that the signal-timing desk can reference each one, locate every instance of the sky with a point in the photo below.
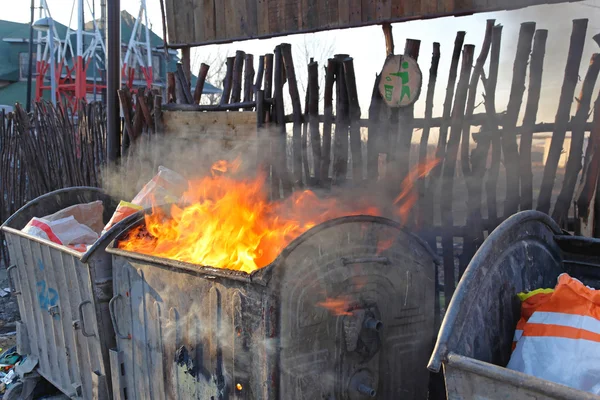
(366, 45)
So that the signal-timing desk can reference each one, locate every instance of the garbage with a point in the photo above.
(167, 186)
(558, 335)
(77, 226)
(4, 293)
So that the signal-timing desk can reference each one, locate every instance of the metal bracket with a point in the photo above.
(113, 318)
(82, 319)
(11, 284)
(53, 310)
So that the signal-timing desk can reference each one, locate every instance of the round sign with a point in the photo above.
(401, 80)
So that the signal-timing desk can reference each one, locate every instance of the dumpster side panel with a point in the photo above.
(53, 285)
(181, 334)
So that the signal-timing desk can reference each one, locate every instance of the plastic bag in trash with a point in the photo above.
(89, 214)
(558, 336)
(66, 231)
(166, 187)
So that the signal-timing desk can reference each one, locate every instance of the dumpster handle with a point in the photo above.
(11, 284)
(83, 331)
(111, 309)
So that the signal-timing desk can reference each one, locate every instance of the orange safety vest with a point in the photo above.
(558, 335)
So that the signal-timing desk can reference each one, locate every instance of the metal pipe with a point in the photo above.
(374, 324)
(369, 391)
(113, 72)
(30, 67)
(52, 64)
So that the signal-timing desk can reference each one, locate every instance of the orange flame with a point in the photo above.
(337, 306)
(408, 196)
(231, 224)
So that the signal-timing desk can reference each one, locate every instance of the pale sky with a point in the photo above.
(367, 45)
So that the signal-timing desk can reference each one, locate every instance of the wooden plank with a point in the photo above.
(344, 13)
(208, 21)
(383, 10)
(220, 21)
(369, 10)
(429, 6)
(571, 78)
(275, 11)
(355, 11)
(215, 124)
(536, 67)
(234, 12)
(198, 17)
(291, 16)
(262, 17)
(250, 19)
(310, 14)
(171, 21)
(397, 9)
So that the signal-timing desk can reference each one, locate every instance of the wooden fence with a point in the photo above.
(328, 149)
(45, 151)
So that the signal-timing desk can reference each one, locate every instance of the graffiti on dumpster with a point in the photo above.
(401, 80)
(47, 296)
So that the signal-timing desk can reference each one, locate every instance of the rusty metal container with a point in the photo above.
(186, 331)
(526, 252)
(63, 298)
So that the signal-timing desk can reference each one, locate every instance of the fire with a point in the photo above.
(227, 221)
(408, 196)
(230, 223)
(337, 306)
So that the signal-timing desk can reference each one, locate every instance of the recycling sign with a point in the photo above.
(401, 80)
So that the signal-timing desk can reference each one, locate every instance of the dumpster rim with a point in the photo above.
(440, 350)
(516, 378)
(262, 275)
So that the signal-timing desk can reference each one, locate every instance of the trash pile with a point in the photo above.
(79, 226)
(558, 335)
(9, 359)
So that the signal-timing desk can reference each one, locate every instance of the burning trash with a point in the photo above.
(228, 222)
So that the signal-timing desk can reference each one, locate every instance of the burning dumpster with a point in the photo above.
(63, 296)
(528, 251)
(344, 311)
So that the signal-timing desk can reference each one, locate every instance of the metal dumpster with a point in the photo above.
(345, 312)
(63, 298)
(526, 252)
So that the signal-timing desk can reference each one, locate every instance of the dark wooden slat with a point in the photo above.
(355, 10)
(238, 69)
(275, 11)
(458, 110)
(227, 81)
(250, 18)
(259, 74)
(171, 88)
(200, 82)
(474, 180)
(373, 143)
(262, 12)
(447, 108)
(562, 114)
(340, 148)
(208, 21)
(536, 68)
(328, 118)
(286, 52)
(280, 149)
(563, 202)
(509, 138)
(591, 171)
(425, 210)
(249, 78)
(492, 126)
(354, 112)
(220, 21)
(313, 114)
(305, 166)
(268, 75)
(343, 12)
